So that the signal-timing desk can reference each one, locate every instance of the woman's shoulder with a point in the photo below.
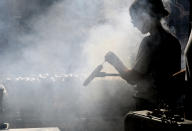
(147, 40)
(159, 39)
(149, 43)
(151, 40)
(167, 35)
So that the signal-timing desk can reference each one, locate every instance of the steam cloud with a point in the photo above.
(68, 36)
(64, 37)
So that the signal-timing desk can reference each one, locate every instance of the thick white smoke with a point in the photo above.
(73, 37)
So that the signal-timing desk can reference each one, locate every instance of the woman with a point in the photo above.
(159, 55)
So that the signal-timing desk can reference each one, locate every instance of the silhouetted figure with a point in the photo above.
(158, 58)
(188, 72)
(188, 55)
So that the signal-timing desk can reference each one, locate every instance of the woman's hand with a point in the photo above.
(111, 58)
(119, 66)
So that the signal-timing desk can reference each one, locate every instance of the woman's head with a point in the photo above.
(146, 13)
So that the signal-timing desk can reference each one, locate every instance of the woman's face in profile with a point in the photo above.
(142, 22)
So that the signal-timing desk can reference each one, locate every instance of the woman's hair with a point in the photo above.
(154, 8)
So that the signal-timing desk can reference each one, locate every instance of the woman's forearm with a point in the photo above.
(120, 67)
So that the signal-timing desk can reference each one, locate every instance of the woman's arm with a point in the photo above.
(131, 76)
(114, 60)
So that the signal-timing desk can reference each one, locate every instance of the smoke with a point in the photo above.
(67, 37)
